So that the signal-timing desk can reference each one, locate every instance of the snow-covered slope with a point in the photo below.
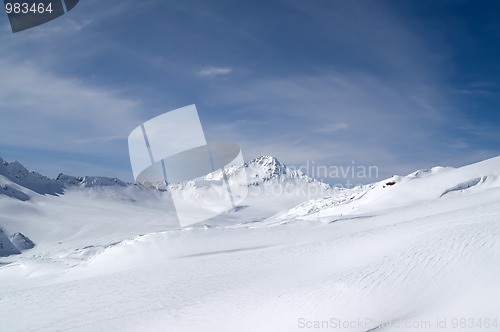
(10, 190)
(89, 181)
(17, 182)
(403, 254)
(18, 174)
(438, 183)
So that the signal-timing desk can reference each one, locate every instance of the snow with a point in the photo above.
(89, 181)
(422, 250)
(7, 248)
(21, 242)
(36, 182)
(415, 188)
(11, 191)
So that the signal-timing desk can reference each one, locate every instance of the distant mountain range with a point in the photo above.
(15, 178)
(276, 195)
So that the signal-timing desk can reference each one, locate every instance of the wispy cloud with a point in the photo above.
(458, 145)
(45, 111)
(214, 71)
(474, 92)
(333, 81)
(337, 118)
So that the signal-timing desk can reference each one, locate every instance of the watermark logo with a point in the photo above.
(26, 14)
(171, 148)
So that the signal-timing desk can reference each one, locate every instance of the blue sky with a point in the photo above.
(401, 85)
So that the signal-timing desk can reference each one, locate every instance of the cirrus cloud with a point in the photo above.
(214, 71)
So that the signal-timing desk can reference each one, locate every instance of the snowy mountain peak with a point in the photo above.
(13, 169)
(261, 170)
(16, 173)
(268, 168)
(271, 164)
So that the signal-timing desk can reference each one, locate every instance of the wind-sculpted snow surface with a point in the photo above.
(395, 255)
